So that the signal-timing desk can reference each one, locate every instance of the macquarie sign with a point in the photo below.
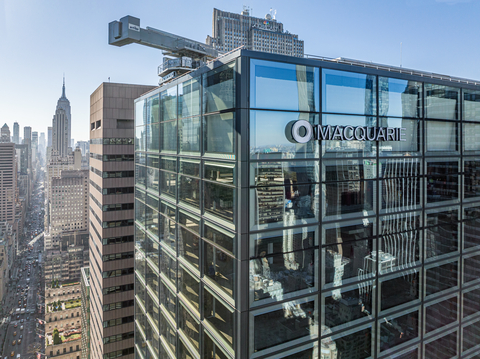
(302, 131)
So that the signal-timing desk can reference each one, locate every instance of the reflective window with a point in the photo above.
(471, 302)
(140, 212)
(284, 173)
(220, 268)
(152, 278)
(441, 232)
(139, 239)
(189, 221)
(152, 179)
(219, 237)
(442, 181)
(471, 105)
(472, 178)
(184, 351)
(140, 138)
(168, 266)
(268, 139)
(189, 190)
(168, 184)
(167, 231)
(168, 163)
(153, 137)
(140, 176)
(348, 92)
(169, 136)
(168, 333)
(412, 144)
(220, 172)
(441, 278)
(189, 286)
(167, 300)
(441, 102)
(219, 89)
(357, 345)
(471, 227)
(188, 246)
(152, 251)
(189, 134)
(442, 348)
(471, 335)
(400, 98)
(282, 262)
(441, 313)
(211, 350)
(219, 134)
(298, 315)
(441, 136)
(349, 198)
(168, 99)
(190, 327)
(276, 85)
(152, 110)
(140, 113)
(339, 148)
(189, 98)
(471, 137)
(402, 289)
(471, 269)
(219, 315)
(398, 330)
(219, 200)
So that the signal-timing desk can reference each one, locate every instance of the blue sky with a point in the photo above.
(41, 40)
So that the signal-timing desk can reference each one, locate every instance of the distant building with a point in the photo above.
(34, 147)
(49, 136)
(8, 182)
(62, 121)
(231, 30)
(16, 133)
(5, 134)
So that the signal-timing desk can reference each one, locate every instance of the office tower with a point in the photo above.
(85, 291)
(230, 31)
(8, 182)
(84, 147)
(111, 219)
(49, 132)
(27, 140)
(34, 146)
(5, 134)
(16, 133)
(300, 208)
(42, 143)
(61, 128)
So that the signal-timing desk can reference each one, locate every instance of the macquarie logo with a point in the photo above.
(302, 131)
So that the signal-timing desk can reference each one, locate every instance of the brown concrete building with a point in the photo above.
(111, 219)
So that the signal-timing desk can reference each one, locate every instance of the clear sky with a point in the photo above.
(41, 40)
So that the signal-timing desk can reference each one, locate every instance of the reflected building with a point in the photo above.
(251, 244)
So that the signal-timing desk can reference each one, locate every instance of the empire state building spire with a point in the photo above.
(63, 88)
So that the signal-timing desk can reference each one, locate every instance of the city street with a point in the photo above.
(18, 333)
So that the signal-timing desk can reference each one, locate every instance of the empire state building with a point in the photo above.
(62, 121)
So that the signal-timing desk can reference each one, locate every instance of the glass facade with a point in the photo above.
(252, 245)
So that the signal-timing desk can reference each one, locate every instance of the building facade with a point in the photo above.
(61, 126)
(5, 134)
(111, 219)
(85, 291)
(8, 182)
(16, 133)
(298, 208)
(231, 30)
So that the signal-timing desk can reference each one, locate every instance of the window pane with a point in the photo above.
(400, 290)
(276, 85)
(219, 236)
(471, 302)
(395, 331)
(140, 138)
(189, 190)
(268, 139)
(140, 174)
(471, 227)
(349, 198)
(219, 267)
(441, 278)
(189, 98)
(471, 269)
(472, 178)
(190, 327)
(441, 102)
(219, 200)
(168, 266)
(471, 335)
(219, 133)
(151, 221)
(189, 134)
(168, 184)
(140, 113)
(167, 231)
(283, 173)
(442, 348)
(441, 314)
(441, 136)
(189, 286)
(219, 89)
(442, 181)
(400, 98)
(471, 105)
(153, 115)
(357, 345)
(152, 179)
(300, 316)
(167, 300)
(189, 246)
(220, 172)
(471, 137)
(412, 144)
(348, 92)
(153, 137)
(168, 99)
(169, 136)
(442, 232)
(219, 316)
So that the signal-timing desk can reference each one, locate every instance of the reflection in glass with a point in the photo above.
(152, 179)
(140, 113)
(167, 300)
(281, 86)
(472, 178)
(153, 137)
(352, 197)
(441, 314)
(168, 183)
(471, 269)
(219, 133)
(441, 278)
(168, 136)
(353, 346)
(219, 200)
(400, 187)
(140, 212)
(139, 238)
(189, 98)
(219, 236)
(348, 305)
(140, 138)
(442, 181)
(442, 348)
(189, 190)
(219, 315)
(189, 286)
(140, 174)
(395, 331)
(441, 102)
(282, 262)
(471, 105)
(337, 148)
(220, 268)
(189, 134)
(284, 205)
(189, 326)
(219, 89)
(399, 290)
(293, 321)
(152, 278)
(152, 251)
(189, 221)
(349, 92)
(441, 233)
(220, 172)
(441, 136)
(471, 137)
(167, 231)
(268, 140)
(168, 100)
(168, 333)
(168, 266)
(188, 246)
(471, 302)
(400, 98)
(283, 173)
(411, 145)
(471, 227)
(211, 350)
(471, 335)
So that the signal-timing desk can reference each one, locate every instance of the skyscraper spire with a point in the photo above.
(63, 88)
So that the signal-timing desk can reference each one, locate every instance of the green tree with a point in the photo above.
(56, 337)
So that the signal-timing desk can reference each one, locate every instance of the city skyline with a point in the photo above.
(84, 32)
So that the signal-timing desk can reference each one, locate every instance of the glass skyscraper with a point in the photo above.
(302, 208)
